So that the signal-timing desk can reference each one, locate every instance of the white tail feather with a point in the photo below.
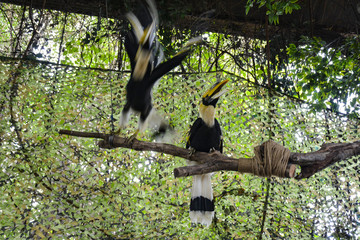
(202, 188)
(204, 218)
(124, 118)
(196, 190)
(206, 188)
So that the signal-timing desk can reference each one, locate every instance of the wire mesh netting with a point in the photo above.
(71, 74)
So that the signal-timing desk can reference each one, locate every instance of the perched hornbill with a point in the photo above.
(205, 136)
(146, 55)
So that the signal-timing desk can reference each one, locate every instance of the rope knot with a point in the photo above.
(270, 159)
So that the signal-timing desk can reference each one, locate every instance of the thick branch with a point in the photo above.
(228, 16)
(209, 162)
(310, 163)
(328, 154)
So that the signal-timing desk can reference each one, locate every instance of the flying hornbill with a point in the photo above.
(205, 136)
(146, 55)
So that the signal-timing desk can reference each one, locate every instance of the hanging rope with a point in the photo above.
(270, 132)
(112, 126)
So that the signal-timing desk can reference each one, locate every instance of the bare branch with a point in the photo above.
(328, 154)
(209, 162)
(310, 163)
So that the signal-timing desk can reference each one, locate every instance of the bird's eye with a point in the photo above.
(206, 100)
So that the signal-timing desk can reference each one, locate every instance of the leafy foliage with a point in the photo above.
(274, 8)
(328, 77)
(62, 187)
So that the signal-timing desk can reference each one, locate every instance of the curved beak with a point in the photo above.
(215, 92)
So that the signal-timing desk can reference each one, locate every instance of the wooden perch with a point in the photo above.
(328, 154)
(310, 163)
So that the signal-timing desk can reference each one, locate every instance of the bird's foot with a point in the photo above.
(191, 151)
(213, 152)
(117, 132)
(131, 139)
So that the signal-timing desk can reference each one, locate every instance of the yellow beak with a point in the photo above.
(215, 92)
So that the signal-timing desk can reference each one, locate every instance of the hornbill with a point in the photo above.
(147, 68)
(205, 136)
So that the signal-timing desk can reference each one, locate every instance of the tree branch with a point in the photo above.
(328, 154)
(208, 162)
(310, 163)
